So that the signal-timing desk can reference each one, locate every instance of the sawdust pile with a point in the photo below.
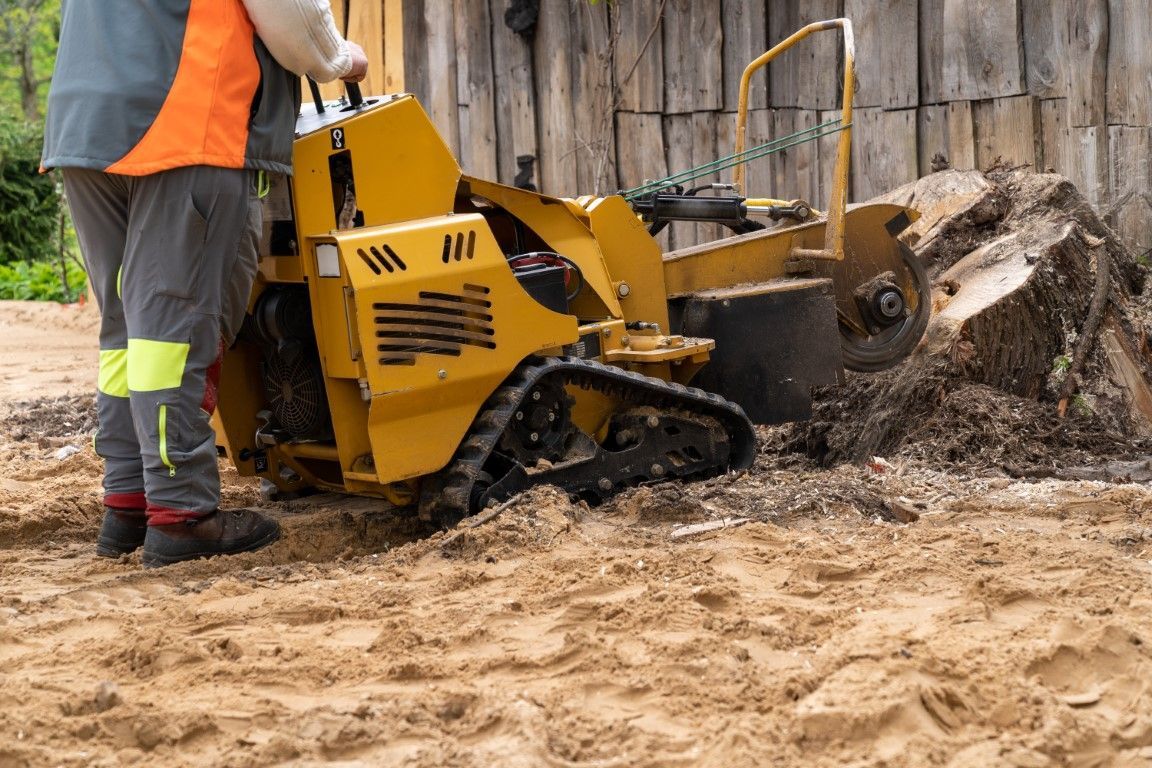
(984, 389)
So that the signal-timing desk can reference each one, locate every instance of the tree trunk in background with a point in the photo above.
(29, 83)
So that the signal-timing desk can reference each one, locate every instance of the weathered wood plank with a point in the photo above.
(1130, 164)
(1079, 153)
(745, 37)
(640, 153)
(886, 52)
(638, 62)
(394, 46)
(555, 124)
(1006, 130)
(705, 150)
(1045, 26)
(946, 136)
(690, 142)
(983, 58)
(760, 174)
(1087, 65)
(693, 73)
(595, 135)
(931, 38)
(1054, 138)
(415, 56)
(1129, 63)
(826, 149)
(515, 97)
(475, 89)
(725, 126)
(884, 152)
(335, 89)
(678, 133)
(796, 170)
(366, 27)
(809, 74)
(962, 135)
(1087, 164)
(440, 44)
(932, 138)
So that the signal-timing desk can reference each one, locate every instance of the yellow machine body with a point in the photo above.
(396, 294)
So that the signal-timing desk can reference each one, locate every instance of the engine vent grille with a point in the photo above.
(382, 259)
(458, 247)
(437, 324)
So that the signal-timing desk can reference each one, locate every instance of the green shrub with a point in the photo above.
(40, 281)
(29, 202)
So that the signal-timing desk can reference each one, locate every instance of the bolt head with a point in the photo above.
(441, 374)
(534, 437)
(519, 415)
(536, 395)
(653, 422)
(657, 470)
(605, 484)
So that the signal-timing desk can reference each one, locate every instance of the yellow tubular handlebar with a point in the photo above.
(838, 200)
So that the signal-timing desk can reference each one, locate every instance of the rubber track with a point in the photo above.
(448, 498)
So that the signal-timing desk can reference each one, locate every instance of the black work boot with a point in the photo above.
(223, 532)
(121, 532)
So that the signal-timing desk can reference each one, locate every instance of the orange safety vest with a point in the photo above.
(143, 86)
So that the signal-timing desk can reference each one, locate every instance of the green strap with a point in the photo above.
(731, 161)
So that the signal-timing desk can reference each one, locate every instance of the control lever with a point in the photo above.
(355, 98)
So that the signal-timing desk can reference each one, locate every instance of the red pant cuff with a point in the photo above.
(168, 516)
(125, 500)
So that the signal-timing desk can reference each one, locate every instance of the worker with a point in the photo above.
(163, 116)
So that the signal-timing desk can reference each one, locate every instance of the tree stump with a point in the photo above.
(1030, 344)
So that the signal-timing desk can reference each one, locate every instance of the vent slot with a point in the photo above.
(377, 259)
(436, 324)
(459, 247)
(372, 265)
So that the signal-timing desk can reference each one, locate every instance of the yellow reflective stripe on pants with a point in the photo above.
(164, 441)
(155, 365)
(113, 377)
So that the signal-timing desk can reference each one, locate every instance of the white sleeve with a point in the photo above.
(302, 36)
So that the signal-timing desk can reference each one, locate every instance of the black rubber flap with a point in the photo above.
(774, 342)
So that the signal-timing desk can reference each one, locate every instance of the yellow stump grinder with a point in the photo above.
(442, 341)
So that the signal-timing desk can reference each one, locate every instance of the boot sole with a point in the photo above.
(113, 550)
(153, 560)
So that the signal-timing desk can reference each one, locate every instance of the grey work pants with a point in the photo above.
(170, 258)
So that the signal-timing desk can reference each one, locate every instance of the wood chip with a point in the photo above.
(1085, 699)
(713, 525)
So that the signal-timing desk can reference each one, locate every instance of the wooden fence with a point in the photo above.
(590, 96)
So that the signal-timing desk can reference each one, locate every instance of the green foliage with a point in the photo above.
(29, 202)
(29, 30)
(1061, 364)
(1082, 404)
(40, 281)
(32, 256)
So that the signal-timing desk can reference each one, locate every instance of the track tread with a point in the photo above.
(448, 498)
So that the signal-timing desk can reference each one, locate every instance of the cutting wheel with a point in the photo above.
(883, 297)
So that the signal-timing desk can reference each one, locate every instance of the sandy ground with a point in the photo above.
(1009, 623)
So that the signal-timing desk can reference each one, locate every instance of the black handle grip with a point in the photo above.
(316, 98)
(355, 98)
